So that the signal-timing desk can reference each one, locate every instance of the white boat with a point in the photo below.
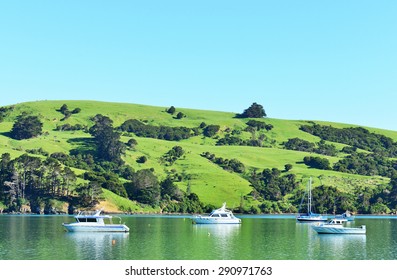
(95, 222)
(337, 226)
(347, 215)
(309, 216)
(217, 216)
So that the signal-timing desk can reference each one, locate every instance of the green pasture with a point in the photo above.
(209, 181)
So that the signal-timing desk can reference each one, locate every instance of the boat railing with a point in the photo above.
(117, 217)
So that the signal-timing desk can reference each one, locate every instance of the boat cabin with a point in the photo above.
(336, 222)
(222, 215)
(89, 220)
(88, 217)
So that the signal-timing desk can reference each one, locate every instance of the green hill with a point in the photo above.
(212, 183)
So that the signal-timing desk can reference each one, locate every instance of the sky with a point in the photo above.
(302, 60)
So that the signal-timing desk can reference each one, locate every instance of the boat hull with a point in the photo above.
(311, 219)
(339, 230)
(206, 220)
(96, 228)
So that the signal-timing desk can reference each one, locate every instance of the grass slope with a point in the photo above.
(212, 184)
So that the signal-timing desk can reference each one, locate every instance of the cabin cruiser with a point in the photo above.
(217, 216)
(95, 222)
(337, 226)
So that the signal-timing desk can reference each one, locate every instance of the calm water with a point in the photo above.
(175, 238)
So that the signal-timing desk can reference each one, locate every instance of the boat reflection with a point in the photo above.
(339, 246)
(97, 245)
(341, 241)
(217, 230)
(215, 240)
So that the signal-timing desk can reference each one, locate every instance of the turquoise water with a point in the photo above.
(175, 238)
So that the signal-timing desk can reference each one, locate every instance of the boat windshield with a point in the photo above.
(86, 220)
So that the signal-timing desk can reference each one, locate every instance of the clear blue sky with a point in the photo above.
(316, 60)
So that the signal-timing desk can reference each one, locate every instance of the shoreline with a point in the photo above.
(189, 215)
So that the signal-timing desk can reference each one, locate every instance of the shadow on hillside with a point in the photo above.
(85, 145)
(6, 134)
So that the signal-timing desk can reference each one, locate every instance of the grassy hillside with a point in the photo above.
(210, 182)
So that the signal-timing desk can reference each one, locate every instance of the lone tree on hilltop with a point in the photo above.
(254, 111)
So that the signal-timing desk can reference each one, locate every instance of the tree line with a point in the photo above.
(358, 137)
(278, 192)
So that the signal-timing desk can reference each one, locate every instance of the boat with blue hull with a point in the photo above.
(95, 222)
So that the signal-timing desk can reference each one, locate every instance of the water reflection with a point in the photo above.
(163, 238)
(222, 231)
(97, 245)
(337, 246)
(214, 241)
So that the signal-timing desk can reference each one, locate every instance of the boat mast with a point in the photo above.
(309, 202)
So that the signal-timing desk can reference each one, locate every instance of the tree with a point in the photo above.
(254, 111)
(168, 188)
(68, 179)
(132, 143)
(317, 162)
(144, 187)
(180, 115)
(257, 124)
(171, 110)
(64, 108)
(393, 191)
(89, 194)
(298, 144)
(76, 111)
(5, 172)
(108, 141)
(211, 130)
(141, 159)
(287, 167)
(172, 155)
(26, 127)
(4, 112)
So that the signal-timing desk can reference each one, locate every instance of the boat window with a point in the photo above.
(224, 215)
(86, 220)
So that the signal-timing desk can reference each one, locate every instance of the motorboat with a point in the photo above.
(309, 216)
(95, 222)
(337, 226)
(217, 216)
